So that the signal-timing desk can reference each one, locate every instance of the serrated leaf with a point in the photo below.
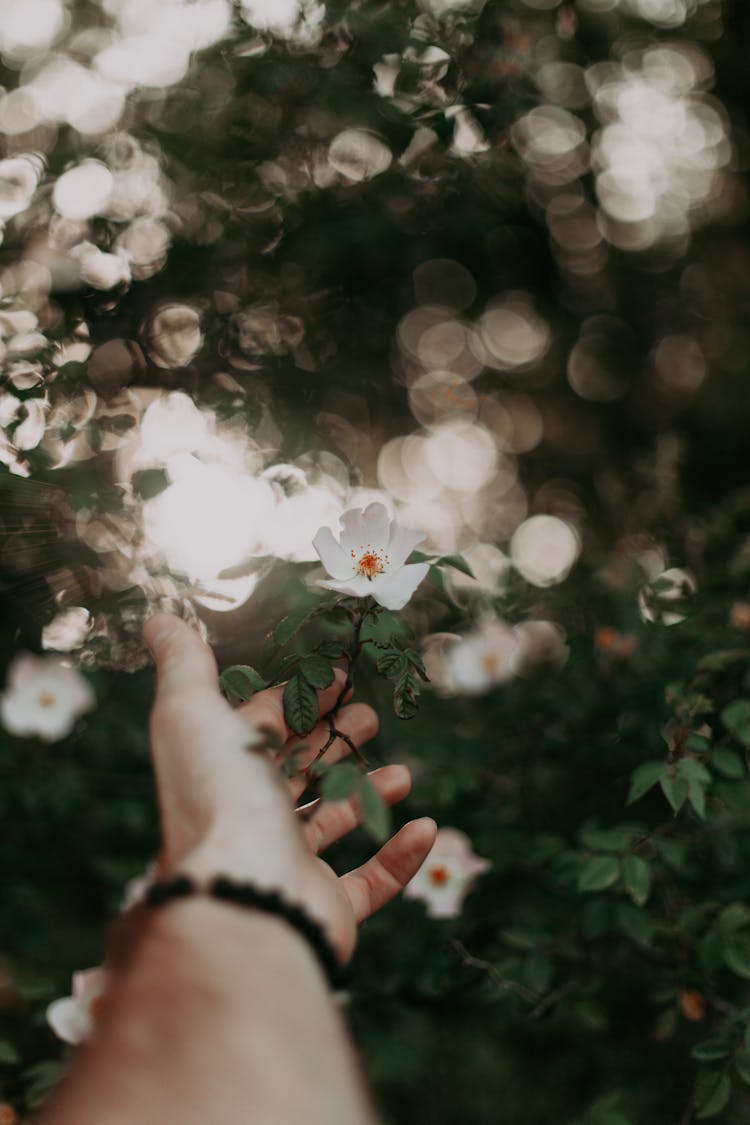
(598, 872)
(417, 662)
(406, 696)
(331, 650)
(728, 763)
(391, 664)
(636, 876)
(300, 705)
(375, 813)
(736, 718)
(737, 955)
(340, 781)
(291, 624)
(644, 777)
(457, 562)
(712, 1094)
(316, 670)
(676, 792)
(710, 1050)
(240, 682)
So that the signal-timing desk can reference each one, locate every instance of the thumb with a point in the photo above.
(184, 663)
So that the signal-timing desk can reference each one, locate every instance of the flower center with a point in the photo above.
(491, 662)
(439, 876)
(46, 699)
(370, 562)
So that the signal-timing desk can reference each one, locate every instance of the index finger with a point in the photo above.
(266, 709)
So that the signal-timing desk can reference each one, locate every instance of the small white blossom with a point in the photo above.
(72, 1017)
(445, 877)
(369, 557)
(482, 659)
(44, 697)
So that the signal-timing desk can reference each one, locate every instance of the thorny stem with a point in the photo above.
(358, 619)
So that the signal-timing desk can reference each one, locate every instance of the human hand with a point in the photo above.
(225, 810)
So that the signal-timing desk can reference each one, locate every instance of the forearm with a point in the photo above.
(221, 1015)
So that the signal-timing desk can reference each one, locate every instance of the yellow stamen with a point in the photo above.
(370, 564)
(46, 699)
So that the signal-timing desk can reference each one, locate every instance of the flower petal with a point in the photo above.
(353, 530)
(332, 555)
(402, 542)
(357, 586)
(393, 590)
(70, 1020)
(89, 983)
(377, 524)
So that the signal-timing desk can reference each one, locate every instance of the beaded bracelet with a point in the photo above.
(270, 902)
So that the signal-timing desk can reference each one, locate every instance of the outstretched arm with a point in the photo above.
(222, 1014)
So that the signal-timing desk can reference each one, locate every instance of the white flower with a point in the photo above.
(482, 659)
(72, 1017)
(445, 877)
(369, 557)
(44, 697)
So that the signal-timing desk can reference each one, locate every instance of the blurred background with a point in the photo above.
(485, 261)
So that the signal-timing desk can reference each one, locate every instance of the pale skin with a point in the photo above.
(222, 1014)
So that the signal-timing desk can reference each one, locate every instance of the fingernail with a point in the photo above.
(157, 629)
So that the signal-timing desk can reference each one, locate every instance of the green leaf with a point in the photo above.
(457, 562)
(538, 970)
(697, 798)
(598, 872)
(240, 682)
(710, 1049)
(417, 662)
(636, 875)
(406, 696)
(712, 1093)
(676, 792)
(742, 1065)
(9, 1056)
(737, 955)
(300, 705)
(697, 743)
(331, 650)
(733, 917)
(736, 718)
(718, 661)
(148, 483)
(644, 777)
(635, 924)
(693, 771)
(340, 781)
(317, 671)
(392, 663)
(728, 763)
(292, 623)
(375, 812)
